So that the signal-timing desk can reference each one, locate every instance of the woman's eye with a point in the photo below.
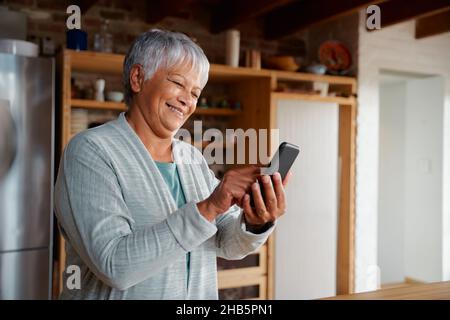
(178, 84)
(195, 96)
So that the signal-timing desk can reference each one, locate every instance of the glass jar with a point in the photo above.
(103, 41)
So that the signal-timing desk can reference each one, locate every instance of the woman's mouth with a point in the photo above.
(178, 111)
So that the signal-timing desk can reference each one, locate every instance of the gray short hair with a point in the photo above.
(157, 49)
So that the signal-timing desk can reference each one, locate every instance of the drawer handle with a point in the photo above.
(8, 138)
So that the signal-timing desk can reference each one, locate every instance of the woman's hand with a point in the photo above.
(231, 190)
(268, 209)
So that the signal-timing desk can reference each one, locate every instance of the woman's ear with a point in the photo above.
(137, 78)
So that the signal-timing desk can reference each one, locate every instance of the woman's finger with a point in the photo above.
(246, 176)
(251, 172)
(270, 199)
(250, 214)
(260, 207)
(287, 178)
(279, 190)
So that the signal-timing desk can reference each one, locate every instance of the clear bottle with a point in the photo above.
(103, 41)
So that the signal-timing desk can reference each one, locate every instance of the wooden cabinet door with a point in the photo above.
(306, 237)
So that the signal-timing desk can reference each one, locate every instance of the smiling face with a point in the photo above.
(167, 99)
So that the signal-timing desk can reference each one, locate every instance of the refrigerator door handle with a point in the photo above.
(8, 138)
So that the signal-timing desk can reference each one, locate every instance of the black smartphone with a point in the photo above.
(282, 161)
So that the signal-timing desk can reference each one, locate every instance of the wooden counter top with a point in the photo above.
(429, 291)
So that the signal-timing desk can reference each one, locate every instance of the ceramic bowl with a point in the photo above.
(115, 96)
(316, 69)
(286, 63)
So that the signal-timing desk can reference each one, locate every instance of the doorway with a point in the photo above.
(410, 178)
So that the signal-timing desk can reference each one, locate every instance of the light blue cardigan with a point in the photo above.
(122, 226)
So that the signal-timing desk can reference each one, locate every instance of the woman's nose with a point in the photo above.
(185, 99)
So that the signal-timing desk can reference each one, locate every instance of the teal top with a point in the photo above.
(170, 174)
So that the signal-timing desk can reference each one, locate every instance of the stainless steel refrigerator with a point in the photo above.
(26, 175)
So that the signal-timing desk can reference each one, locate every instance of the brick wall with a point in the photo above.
(127, 20)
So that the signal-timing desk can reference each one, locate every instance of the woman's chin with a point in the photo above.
(177, 124)
(173, 127)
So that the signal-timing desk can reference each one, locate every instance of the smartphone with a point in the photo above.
(281, 162)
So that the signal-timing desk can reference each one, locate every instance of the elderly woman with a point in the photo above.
(143, 216)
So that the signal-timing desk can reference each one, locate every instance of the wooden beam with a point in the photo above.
(84, 5)
(433, 25)
(234, 12)
(158, 10)
(397, 11)
(302, 14)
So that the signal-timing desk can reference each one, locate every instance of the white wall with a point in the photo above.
(392, 48)
(423, 179)
(391, 182)
(410, 180)
(306, 236)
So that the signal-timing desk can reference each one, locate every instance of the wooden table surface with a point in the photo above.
(429, 291)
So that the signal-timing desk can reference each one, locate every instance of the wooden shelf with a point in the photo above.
(225, 73)
(244, 280)
(299, 76)
(95, 62)
(120, 106)
(314, 97)
(217, 112)
(98, 62)
(93, 104)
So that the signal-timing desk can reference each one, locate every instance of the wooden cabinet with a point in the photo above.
(256, 91)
